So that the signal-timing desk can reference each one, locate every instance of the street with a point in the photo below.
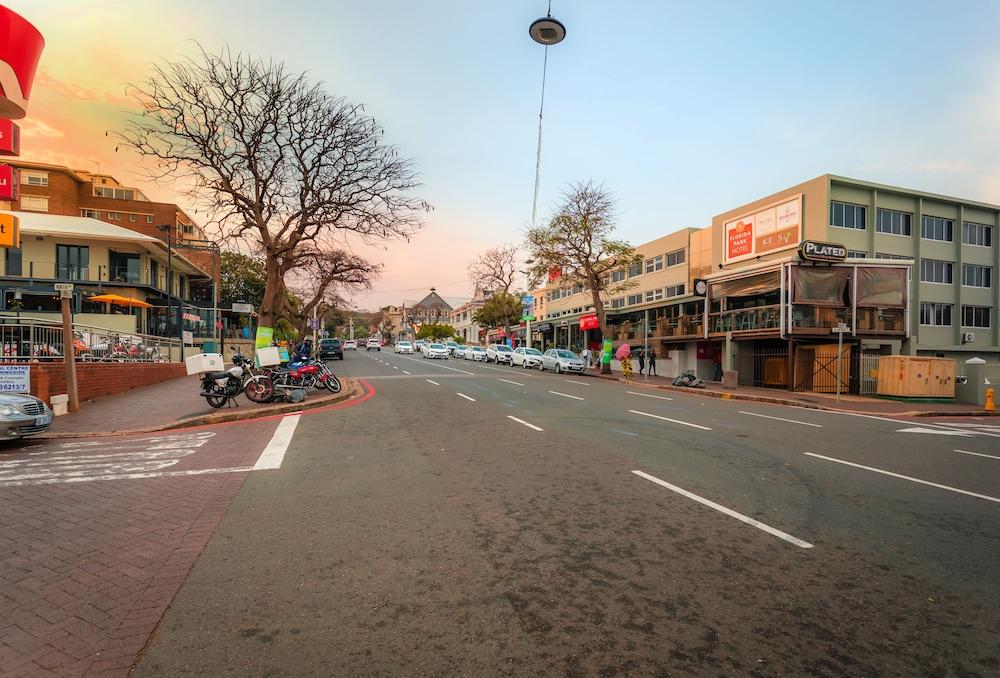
(477, 520)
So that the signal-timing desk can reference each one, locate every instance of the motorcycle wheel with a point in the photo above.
(261, 391)
(216, 400)
(333, 384)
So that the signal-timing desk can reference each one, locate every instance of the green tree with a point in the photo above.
(243, 278)
(436, 331)
(578, 242)
(501, 310)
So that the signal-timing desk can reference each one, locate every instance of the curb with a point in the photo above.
(730, 395)
(352, 390)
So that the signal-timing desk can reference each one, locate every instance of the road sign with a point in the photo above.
(841, 328)
(314, 324)
(65, 290)
(242, 308)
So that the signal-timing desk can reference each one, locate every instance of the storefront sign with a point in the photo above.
(187, 336)
(15, 379)
(772, 229)
(264, 338)
(543, 327)
(20, 49)
(10, 231)
(589, 322)
(8, 183)
(239, 307)
(10, 138)
(810, 250)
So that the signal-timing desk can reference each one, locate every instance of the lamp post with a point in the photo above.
(170, 288)
(545, 31)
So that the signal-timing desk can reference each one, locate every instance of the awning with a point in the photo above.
(118, 300)
(819, 286)
(881, 286)
(749, 286)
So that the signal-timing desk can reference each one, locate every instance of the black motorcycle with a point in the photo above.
(219, 388)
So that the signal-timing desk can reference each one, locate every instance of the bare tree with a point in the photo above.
(275, 159)
(319, 279)
(495, 269)
(577, 242)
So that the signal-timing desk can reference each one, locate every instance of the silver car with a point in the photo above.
(526, 357)
(22, 415)
(561, 360)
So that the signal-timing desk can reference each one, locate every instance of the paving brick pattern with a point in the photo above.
(88, 568)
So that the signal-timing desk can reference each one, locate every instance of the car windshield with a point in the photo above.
(566, 354)
(452, 344)
(436, 346)
(330, 342)
(403, 344)
(532, 351)
(478, 349)
(503, 349)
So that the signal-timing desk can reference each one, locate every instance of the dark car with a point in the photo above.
(330, 349)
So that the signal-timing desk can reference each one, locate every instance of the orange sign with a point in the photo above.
(772, 229)
(10, 231)
(739, 239)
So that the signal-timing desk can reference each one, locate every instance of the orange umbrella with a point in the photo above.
(119, 300)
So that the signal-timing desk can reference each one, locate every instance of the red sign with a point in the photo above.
(10, 138)
(8, 183)
(555, 272)
(20, 49)
(740, 240)
(589, 322)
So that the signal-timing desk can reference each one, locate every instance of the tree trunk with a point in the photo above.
(605, 331)
(274, 289)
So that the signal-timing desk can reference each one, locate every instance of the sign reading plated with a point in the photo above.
(810, 250)
(772, 229)
(15, 379)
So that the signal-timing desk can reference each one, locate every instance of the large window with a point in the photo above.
(977, 234)
(654, 264)
(857, 254)
(72, 262)
(976, 316)
(116, 193)
(618, 303)
(634, 299)
(34, 178)
(13, 261)
(91, 214)
(935, 314)
(634, 270)
(675, 258)
(934, 271)
(974, 275)
(124, 267)
(654, 295)
(675, 290)
(617, 276)
(893, 222)
(846, 215)
(35, 203)
(936, 228)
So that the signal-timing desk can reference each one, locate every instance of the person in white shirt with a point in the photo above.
(586, 355)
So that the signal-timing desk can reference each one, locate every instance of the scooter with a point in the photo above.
(689, 380)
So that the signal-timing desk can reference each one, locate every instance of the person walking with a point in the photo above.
(642, 361)
(627, 368)
(652, 363)
(586, 355)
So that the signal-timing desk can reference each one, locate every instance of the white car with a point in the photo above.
(459, 351)
(436, 351)
(561, 360)
(526, 357)
(404, 347)
(373, 345)
(350, 345)
(451, 346)
(498, 353)
(475, 353)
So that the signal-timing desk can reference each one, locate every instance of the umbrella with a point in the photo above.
(623, 351)
(119, 300)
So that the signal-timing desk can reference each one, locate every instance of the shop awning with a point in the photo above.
(749, 286)
(118, 300)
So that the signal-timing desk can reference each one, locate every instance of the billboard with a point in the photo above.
(775, 228)
(20, 49)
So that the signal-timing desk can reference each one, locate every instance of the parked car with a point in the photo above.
(330, 349)
(436, 351)
(560, 360)
(498, 353)
(451, 346)
(373, 345)
(404, 347)
(526, 357)
(460, 351)
(475, 353)
(350, 345)
(22, 415)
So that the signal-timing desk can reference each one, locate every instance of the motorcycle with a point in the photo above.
(689, 380)
(327, 379)
(219, 388)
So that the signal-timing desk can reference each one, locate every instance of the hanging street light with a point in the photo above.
(545, 31)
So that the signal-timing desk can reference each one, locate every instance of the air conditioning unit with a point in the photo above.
(968, 337)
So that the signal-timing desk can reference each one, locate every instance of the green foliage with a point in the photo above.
(500, 310)
(243, 278)
(436, 331)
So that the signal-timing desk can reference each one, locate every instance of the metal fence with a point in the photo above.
(764, 366)
(34, 339)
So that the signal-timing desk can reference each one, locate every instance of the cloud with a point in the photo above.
(943, 167)
(72, 90)
(34, 128)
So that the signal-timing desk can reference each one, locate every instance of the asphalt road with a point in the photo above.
(479, 520)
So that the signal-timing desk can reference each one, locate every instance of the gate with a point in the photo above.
(816, 369)
(762, 365)
(868, 373)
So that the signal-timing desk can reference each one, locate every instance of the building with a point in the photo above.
(391, 324)
(431, 309)
(467, 330)
(917, 277)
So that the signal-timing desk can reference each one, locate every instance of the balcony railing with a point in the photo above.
(745, 319)
(50, 270)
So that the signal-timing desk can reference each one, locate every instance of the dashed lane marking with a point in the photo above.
(675, 421)
(978, 454)
(462, 395)
(431, 381)
(566, 395)
(508, 381)
(790, 421)
(522, 421)
(648, 395)
(581, 383)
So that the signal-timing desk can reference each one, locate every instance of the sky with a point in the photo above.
(684, 110)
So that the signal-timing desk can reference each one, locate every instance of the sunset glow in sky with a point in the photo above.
(683, 109)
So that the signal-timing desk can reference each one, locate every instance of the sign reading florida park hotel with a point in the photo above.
(771, 229)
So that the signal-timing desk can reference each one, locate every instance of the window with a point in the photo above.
(883, 255)
(72, 262)
(845, 215)
(976, 316)
(974, 275)
(675, 290)
(654, 295)
(188, 228)
(577, 289)
(934, 271)
(149, 219)
(935, 314)
(92, 214)
(35, 203)
(676, 258)
(114, 216)
(977, 234)
(131, 217)
(893, 222)
(154, 273)
(857, 254)
(634, 270)
(634, 299)
(617, 276)
(654, 264)
(936, 228)
(13, 259)
(33, 178)
(115, 193)
(618, 303)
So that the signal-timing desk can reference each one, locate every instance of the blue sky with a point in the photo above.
(684, 110)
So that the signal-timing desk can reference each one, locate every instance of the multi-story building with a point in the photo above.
(462, 319)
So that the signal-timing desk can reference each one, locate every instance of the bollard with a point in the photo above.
(991, 405)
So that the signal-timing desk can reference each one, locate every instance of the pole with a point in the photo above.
(352, 327)
(315, 325)
(645, 340)
(68, 357)
(840, 357)
(215, 302)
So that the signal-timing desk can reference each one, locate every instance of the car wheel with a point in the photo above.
(558, 369)
(541, 367)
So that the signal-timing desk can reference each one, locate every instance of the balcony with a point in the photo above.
(757, 318)
(44, 271)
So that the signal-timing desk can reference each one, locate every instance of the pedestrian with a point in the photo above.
(642, 361)
(586, 358)
(652, 363)
(627, 367)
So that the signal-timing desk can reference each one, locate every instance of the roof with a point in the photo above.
(85, 228)
(433, 300)
(27, 164)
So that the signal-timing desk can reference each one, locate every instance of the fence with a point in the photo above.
(35, 339)
(764, 366)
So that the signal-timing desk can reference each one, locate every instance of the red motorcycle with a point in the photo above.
(305, 375)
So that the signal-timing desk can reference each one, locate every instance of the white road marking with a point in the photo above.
(394, 367)
(274, 453)
(522, 421)
(431, 381)
(462, 395)
(910, 478)
(649, 395)
(790, 421)
(978, 454)
(581, 383)
(676, 421)
(729, 512)
(935, 431)
(405, 372)
(508, 381)
(565, 395)
(624, 433)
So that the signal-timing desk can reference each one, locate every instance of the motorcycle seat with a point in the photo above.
(216, 375)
